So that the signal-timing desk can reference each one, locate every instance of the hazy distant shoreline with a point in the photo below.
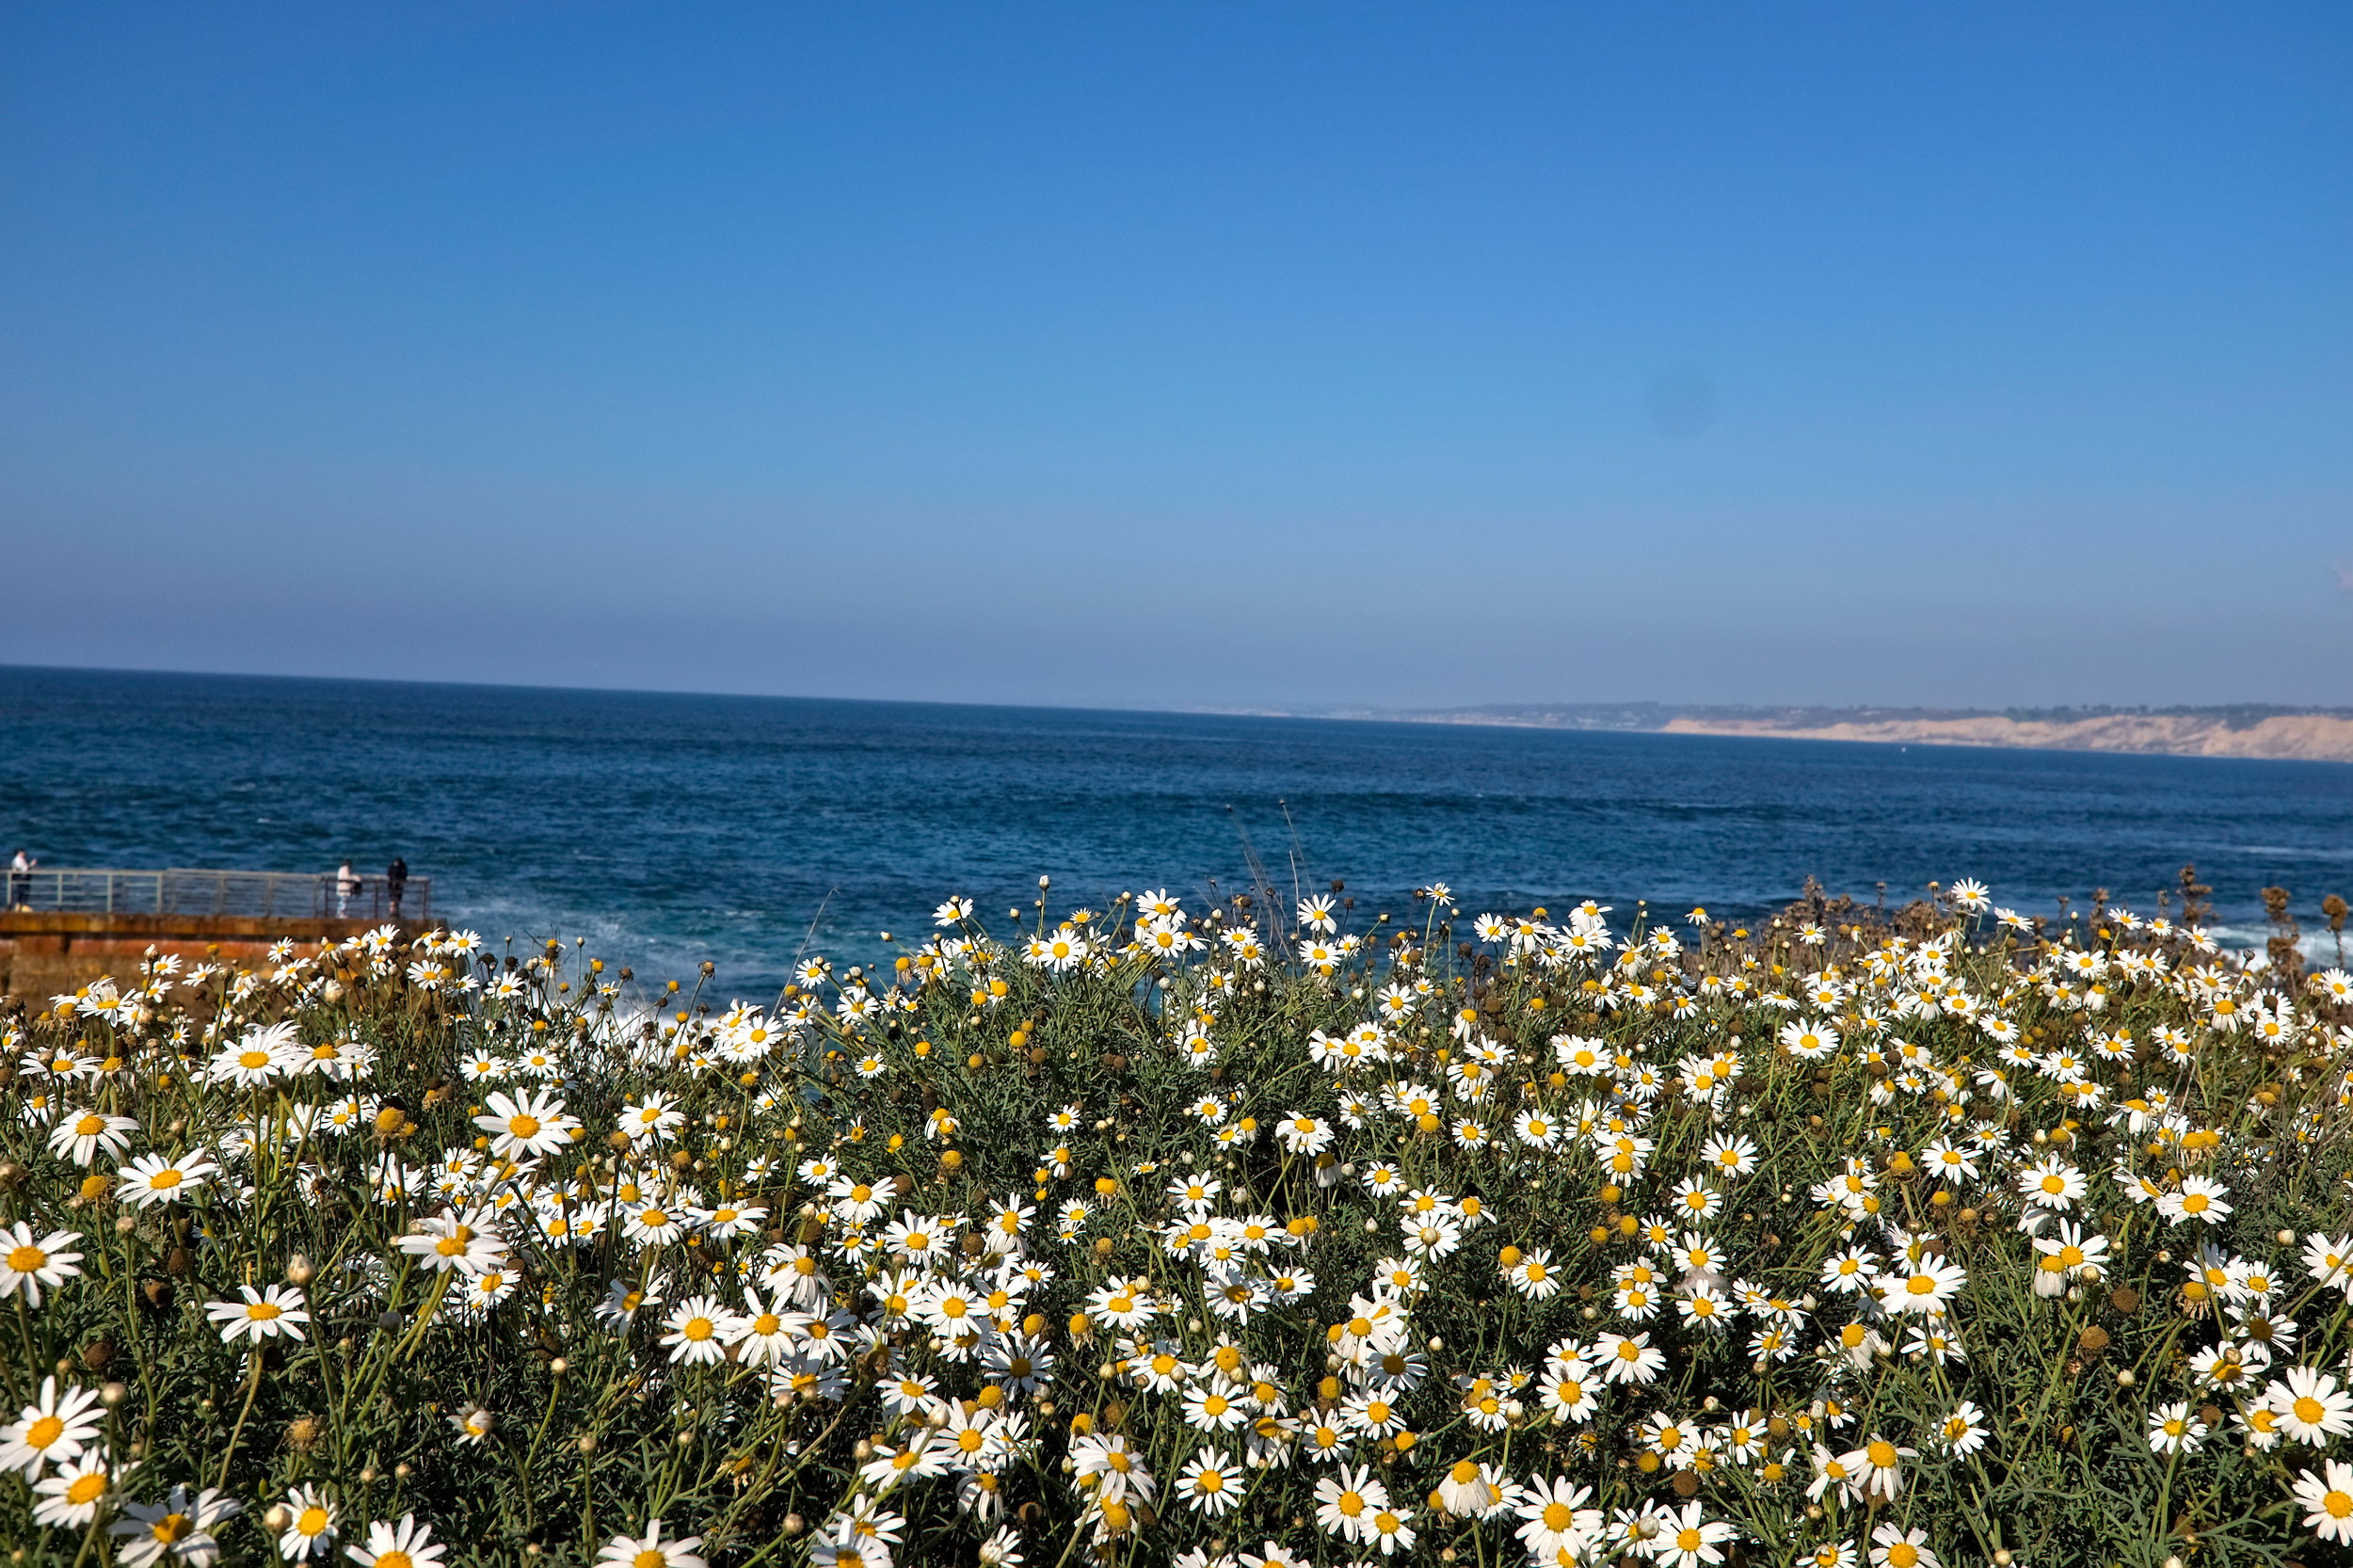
(2310, 735)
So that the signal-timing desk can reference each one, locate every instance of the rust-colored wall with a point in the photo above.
(43, 955)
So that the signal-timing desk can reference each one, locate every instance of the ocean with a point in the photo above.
(670, 829)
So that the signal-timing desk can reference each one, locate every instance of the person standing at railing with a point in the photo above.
(395, 881)
(21, 880)
(347, 889)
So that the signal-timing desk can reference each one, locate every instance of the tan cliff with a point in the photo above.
(2304, 737)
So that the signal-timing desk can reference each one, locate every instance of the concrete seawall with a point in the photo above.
(44, 954)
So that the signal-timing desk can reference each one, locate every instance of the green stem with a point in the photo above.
(33, 1358)
(89, 1537)
(252, 1388)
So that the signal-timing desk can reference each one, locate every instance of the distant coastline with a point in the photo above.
(2298, 734)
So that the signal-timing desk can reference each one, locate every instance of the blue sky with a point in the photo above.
(1187, 355)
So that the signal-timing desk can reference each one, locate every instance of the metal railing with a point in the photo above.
(182, 890)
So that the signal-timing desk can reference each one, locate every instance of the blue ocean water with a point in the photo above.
(668, 829)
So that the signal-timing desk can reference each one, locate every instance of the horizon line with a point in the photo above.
(1347, 713)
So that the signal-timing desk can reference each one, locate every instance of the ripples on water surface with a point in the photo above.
(668, 829)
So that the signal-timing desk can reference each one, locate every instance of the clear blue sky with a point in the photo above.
(1250, 354)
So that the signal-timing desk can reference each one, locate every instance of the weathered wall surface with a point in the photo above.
(43, 956)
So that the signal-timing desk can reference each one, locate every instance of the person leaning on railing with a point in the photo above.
(21, 880)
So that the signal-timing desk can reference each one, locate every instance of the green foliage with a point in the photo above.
(1773, 1099)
